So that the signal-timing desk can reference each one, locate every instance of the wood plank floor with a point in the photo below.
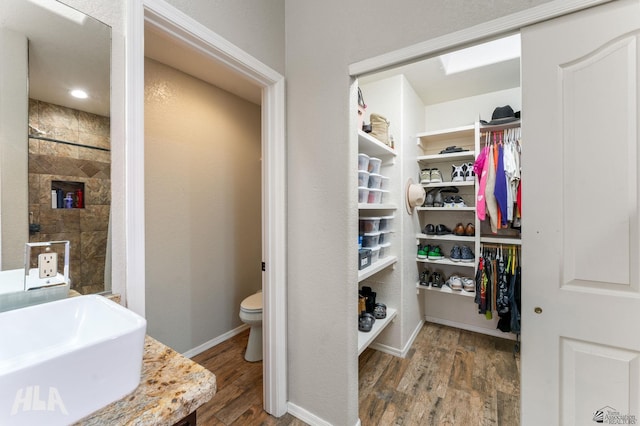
(449, 377)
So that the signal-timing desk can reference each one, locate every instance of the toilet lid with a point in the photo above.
(252, 303)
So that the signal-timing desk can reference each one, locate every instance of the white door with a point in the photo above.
(581, 225)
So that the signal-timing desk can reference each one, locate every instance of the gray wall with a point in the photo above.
(322, 39)
(202, 207)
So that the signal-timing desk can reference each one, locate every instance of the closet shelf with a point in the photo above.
(484, 128)
(448, 237)
(443, 184)
(365, 273)
(448, 262)
(446, 134)
(373, 146)
(447, 209)
(367, 206)
(501, 240)
(365, 339)
(444, 157)
(447, 290)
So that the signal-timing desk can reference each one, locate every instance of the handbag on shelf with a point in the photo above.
(380, 128)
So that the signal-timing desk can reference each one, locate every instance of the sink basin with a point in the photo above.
(63, 360)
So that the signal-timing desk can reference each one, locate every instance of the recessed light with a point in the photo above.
(80, 94)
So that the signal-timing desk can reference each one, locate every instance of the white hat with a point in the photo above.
(414, 195)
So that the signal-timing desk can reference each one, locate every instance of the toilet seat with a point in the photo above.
(252, 303)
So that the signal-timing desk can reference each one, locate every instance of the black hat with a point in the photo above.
(502, 115)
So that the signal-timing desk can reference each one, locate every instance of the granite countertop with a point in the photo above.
(171, 387)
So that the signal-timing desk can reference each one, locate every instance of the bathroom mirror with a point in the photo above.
(51, 143)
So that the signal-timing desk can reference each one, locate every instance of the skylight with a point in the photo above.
(481, 55)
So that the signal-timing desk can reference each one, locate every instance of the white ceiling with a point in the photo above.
(428, 79)
(63, 54)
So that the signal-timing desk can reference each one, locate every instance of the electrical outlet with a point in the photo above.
(48, 264)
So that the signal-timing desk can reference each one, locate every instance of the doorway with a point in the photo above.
(200, 41)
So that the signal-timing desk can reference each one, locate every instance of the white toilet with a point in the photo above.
(251, 314)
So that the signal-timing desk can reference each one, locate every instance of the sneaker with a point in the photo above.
(448, 202)
(458, 202)
(425, 176)
(469, 174)
(435, 253)
(455, 283)
(456, 254)
(430, 198)
(423, 252)
(436, 176)
(457, 173)
(468, 284)
(467, 254)
(430, 229)
(435, 280)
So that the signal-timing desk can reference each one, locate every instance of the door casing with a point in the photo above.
(180, 26)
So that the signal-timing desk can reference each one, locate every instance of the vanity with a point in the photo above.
(171, 388)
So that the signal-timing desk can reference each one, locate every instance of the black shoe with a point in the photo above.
(436, 280)
(430, 229)
(365, 322)
(442, 230)
(438, 201)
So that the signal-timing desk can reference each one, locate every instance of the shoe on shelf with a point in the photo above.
(458, 202)
(455, 283)
(469, 174)
(468, 284)
(430, 198)
(423, 252)
(470, 230)
(456, 253)
(448, 202)
(438, 200)
(424, 278)
(457, 173)
(459, 230)
(467, 254)
(436, 280)
(436, 176)
(442, 230)
(430, 229)
(435, 253)
(425, 176)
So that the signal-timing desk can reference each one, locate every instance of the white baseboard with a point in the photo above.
(468, 327)
(215, 341)
(306, 416)
(402, 353)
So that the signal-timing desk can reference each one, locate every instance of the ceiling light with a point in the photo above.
(482, 54)
(80, 94)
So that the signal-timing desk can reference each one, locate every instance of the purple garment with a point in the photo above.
(500, 190)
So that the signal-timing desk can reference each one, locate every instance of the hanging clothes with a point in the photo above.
(500, 191)
(492, 205)
(480, 167)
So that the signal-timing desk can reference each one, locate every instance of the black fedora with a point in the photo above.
(502, 115)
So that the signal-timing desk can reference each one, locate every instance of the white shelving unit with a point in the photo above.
(447, 237)
(448, 262)
(365, 339)
(446, 290)
(375, 148)
(365, 273)
(501, 240)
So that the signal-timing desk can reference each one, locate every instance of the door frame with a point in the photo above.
(482, 32)
(180, 26)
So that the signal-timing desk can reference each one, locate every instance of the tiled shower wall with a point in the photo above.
(85, 228)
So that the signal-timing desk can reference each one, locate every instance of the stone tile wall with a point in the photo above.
(85, 228)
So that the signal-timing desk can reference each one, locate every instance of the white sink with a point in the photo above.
(63, 360)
